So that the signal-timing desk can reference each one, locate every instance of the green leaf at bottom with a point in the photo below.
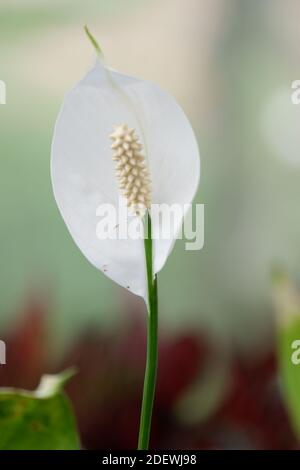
(39, 420)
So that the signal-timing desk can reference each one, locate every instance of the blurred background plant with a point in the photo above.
(230, 64)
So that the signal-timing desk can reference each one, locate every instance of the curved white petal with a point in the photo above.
(83, 174)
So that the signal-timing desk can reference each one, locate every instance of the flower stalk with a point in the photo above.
(152, 344)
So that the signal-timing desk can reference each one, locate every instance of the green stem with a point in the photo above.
(152, 343)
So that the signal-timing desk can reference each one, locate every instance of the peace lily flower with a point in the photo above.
(115, 136)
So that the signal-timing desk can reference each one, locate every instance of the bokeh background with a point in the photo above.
(230, 64)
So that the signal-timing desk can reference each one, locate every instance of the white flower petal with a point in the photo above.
(83, 174)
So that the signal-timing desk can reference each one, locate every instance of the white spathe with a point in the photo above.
(83, 174)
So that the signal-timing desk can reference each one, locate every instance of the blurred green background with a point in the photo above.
(230, 64)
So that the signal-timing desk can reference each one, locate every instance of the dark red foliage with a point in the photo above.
(106, 392)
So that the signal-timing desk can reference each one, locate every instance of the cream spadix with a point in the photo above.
(155, 154)
(131, 169)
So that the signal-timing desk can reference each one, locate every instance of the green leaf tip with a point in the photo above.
(49, 386)
(52, 384)
(93, 41)
(286, 298)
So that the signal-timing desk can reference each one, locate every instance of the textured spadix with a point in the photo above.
(83, 172)
(131, 169)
